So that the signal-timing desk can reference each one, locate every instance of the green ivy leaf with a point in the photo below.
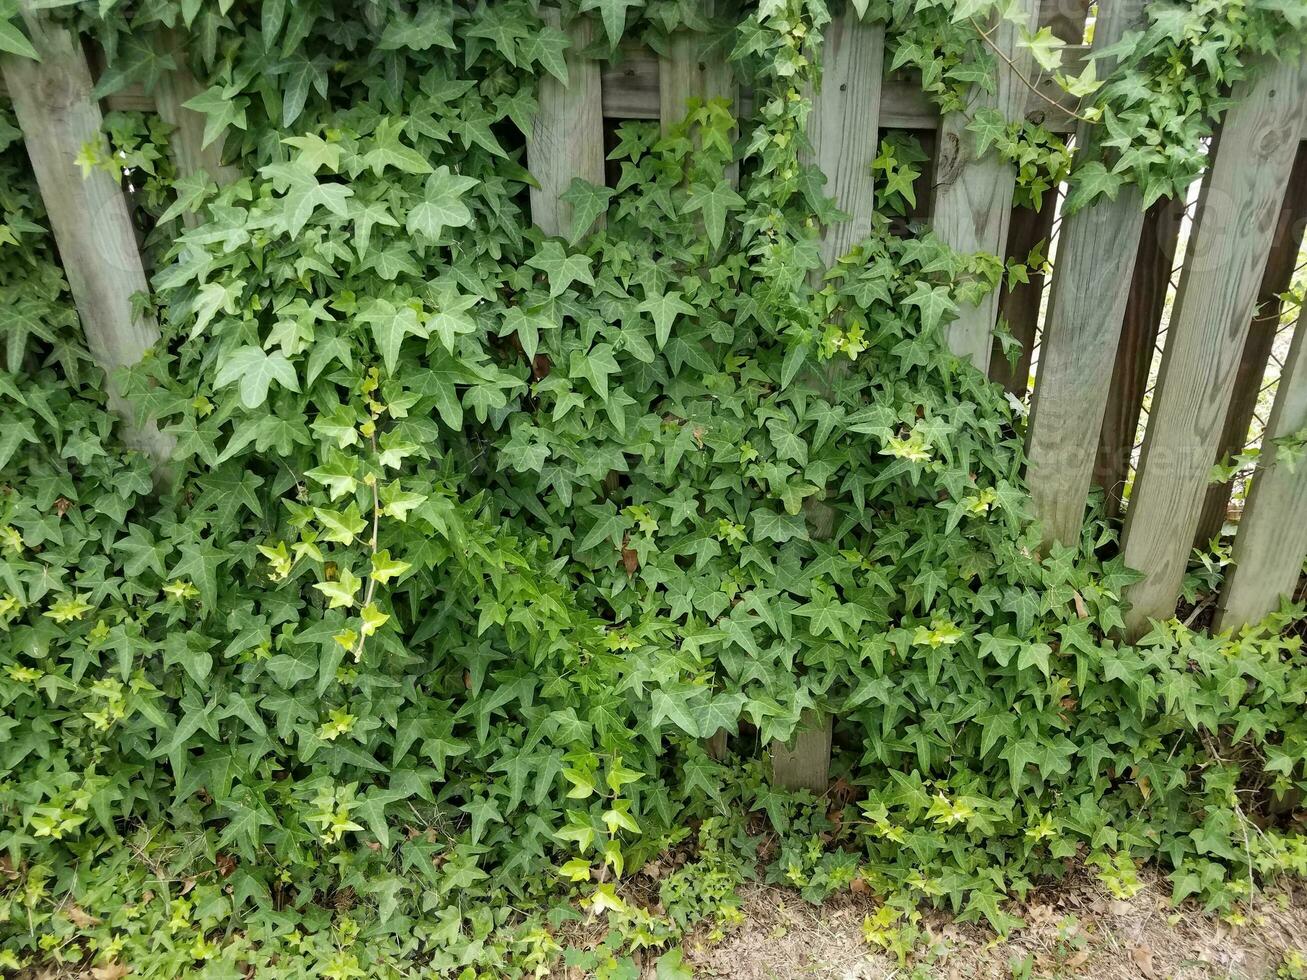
(588, 203)
(255, 370)
(715, 201)
(441, 206)
(390, 325)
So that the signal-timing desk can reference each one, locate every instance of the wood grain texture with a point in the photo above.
(844, 127)
(1019, 306)
(631, 90)
(88, 215)
(844, 130)
(693, 70)
(1091, 286)
(567, 139)
(630, 83)
(1223, 270)
(804, 763)
(690, 72)
(1271, 542)
(175, 88)
(973, 194)
(1154, 262)
(130, 98)
(1257, 348)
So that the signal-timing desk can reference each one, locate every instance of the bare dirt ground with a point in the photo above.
(1076, 931)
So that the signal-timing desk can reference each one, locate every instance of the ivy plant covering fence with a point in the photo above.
(471, 471)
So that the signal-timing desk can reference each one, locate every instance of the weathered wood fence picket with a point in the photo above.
(1107, 294)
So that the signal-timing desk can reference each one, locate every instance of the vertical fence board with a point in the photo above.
(1091, 285)
(1019, 305)
(973, 195)
(844, 127)
(1223, 271)
(1261, 338)
(174, 89)
(690, 72)
(1271, 542)
(804, 764)
(1134, 355)
(567, 139)
(88, 215)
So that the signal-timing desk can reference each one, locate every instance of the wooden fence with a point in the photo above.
(1105, 303)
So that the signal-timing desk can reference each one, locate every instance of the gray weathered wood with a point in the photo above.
(804, 763)
(1271, 542)
(844, 127)
(130, 98)
(1226, 258)
(1262, 332)
(567, 139)
(1154, 261)
(973, 194)
(630, 83)
(175, 88)
(88, 215)
(844, 130)
(631, 88)
(1091, 284)
(1020, 303)
(689, 71)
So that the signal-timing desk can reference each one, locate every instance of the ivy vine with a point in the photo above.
(477, 535)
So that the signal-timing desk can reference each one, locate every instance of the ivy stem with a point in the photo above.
(1074, 114)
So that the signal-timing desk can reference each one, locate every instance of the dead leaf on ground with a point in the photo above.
(1142, 956)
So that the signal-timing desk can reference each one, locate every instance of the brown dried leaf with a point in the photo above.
(80, 917)
(1142, 956)
(110, 971)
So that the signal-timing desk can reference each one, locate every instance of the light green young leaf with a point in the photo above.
(256, 369)
(388, 151)
(1045, 46)
(441, 206)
